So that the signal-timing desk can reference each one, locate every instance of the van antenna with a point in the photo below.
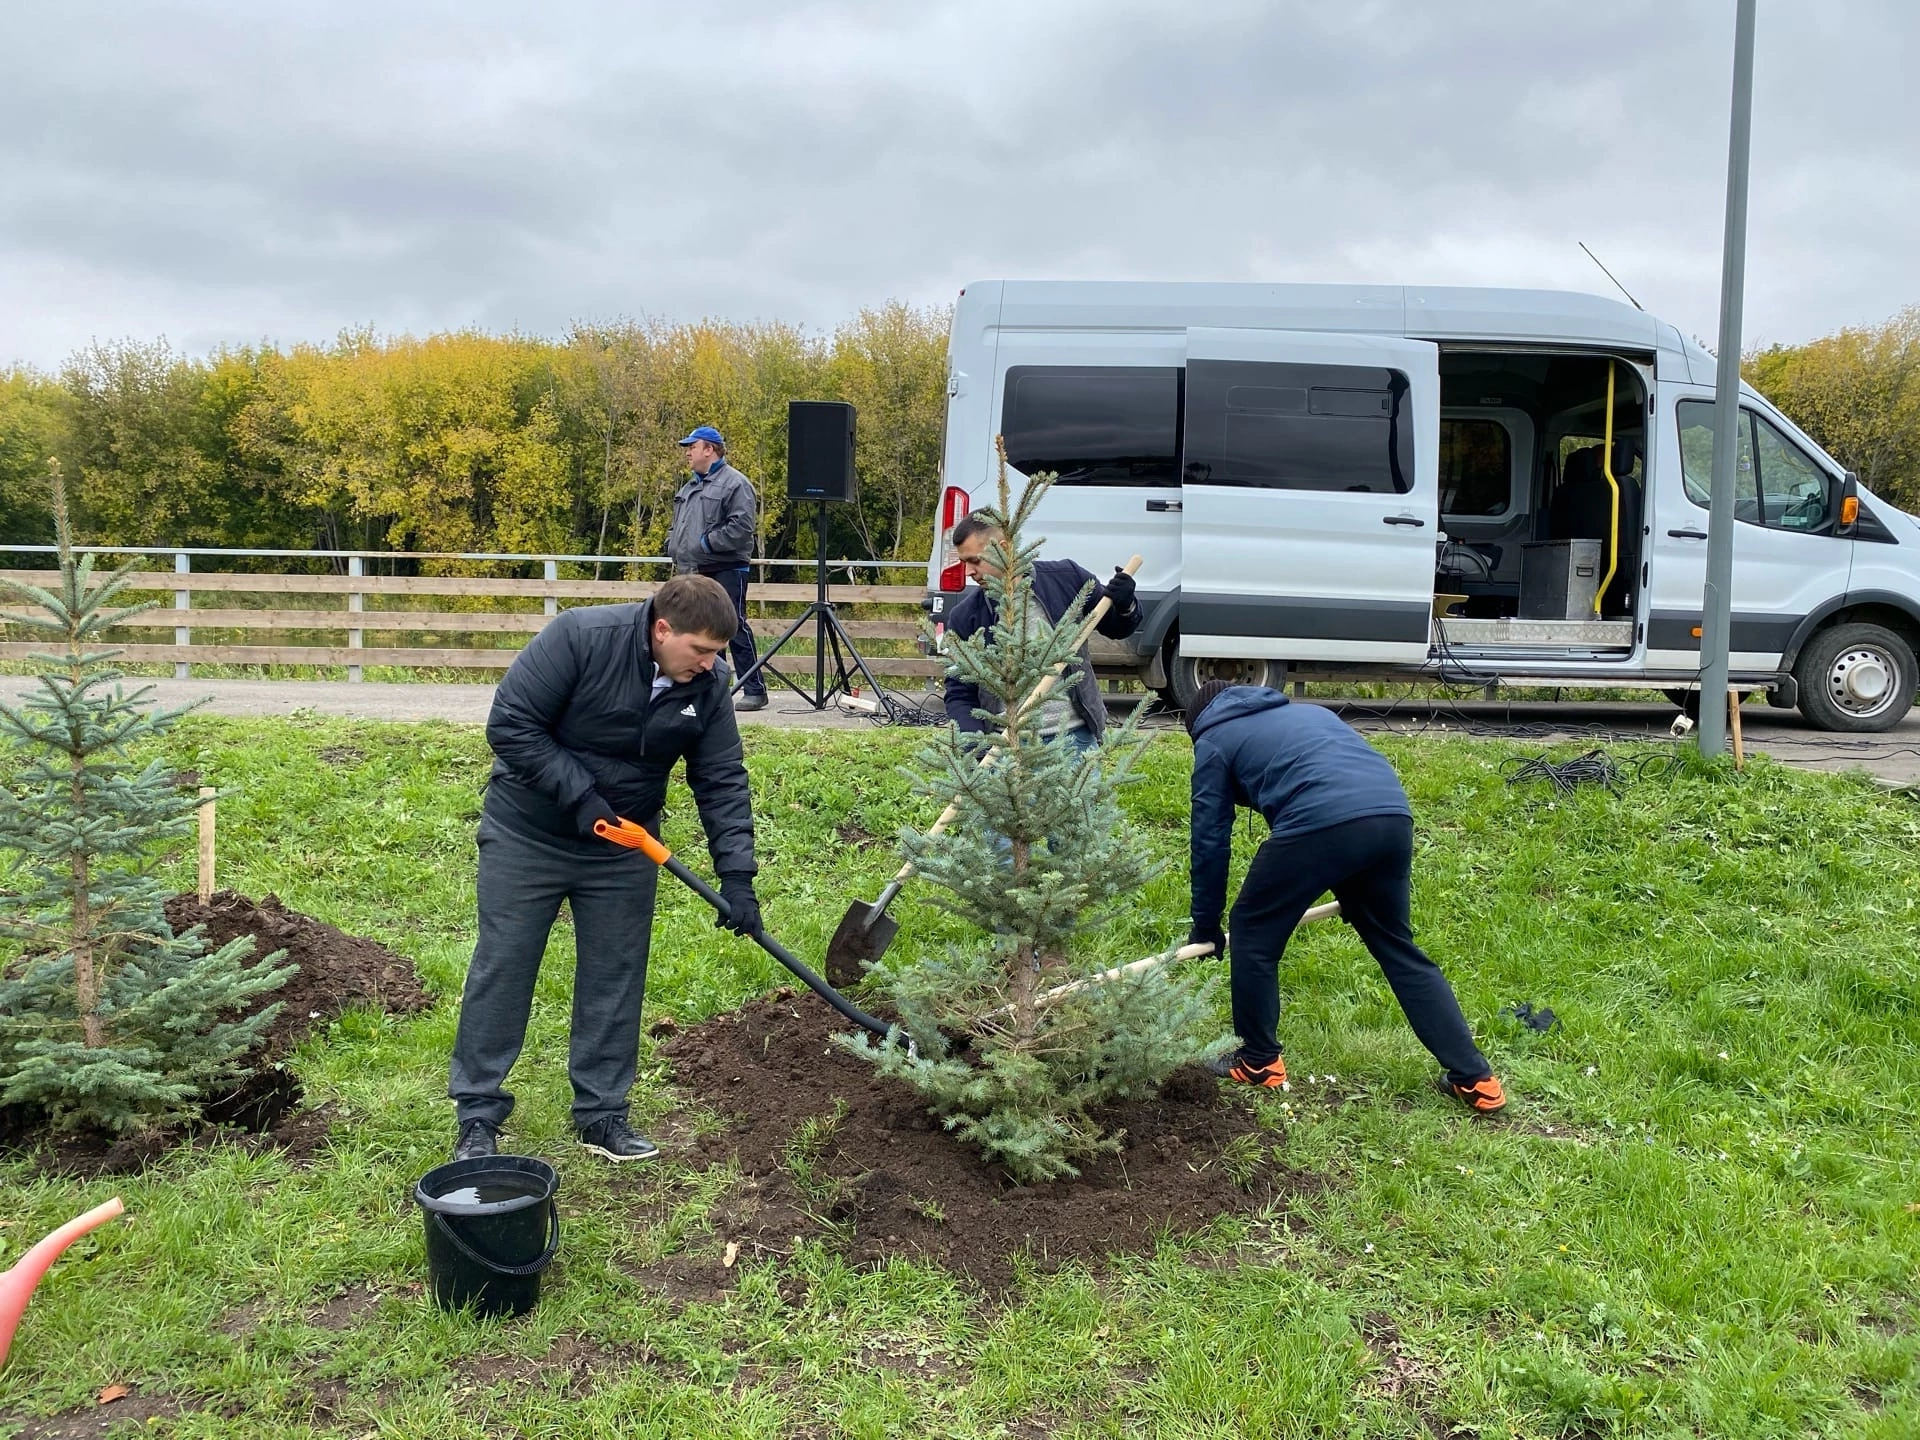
(1609, 274)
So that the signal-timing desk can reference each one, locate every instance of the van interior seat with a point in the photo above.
(1582, 509)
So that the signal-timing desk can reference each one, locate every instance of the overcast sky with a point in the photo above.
(221, 173)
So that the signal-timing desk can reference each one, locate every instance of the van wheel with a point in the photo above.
(1856, 678)
(1189, 672)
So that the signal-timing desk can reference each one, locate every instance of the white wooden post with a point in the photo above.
(356, 604)
(553, 574)
(182, 600)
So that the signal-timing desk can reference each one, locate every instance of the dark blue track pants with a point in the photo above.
(1368, 865)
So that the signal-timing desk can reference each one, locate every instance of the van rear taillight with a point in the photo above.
(954, 505)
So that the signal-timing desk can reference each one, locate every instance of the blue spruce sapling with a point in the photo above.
(106, 1016)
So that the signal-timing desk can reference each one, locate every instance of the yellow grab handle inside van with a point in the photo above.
(1606, 468)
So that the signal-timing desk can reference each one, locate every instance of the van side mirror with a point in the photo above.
(1849, 517)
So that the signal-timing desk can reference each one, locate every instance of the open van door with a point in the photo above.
(1311, 496)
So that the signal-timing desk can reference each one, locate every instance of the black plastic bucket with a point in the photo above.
(492, 1227)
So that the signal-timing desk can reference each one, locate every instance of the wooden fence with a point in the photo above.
(241, 605)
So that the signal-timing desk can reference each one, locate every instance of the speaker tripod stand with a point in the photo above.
(830, 637)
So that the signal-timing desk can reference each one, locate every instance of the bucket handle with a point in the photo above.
(532, 1267)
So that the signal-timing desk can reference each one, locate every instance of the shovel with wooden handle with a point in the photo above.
(1186, 952)
(865, 931)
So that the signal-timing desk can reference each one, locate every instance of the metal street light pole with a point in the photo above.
(1716, 620)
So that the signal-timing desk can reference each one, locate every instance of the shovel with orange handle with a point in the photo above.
(638, 837)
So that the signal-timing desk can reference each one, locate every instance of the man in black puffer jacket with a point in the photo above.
(1076, 715)
(586, 726)
(1338, 820)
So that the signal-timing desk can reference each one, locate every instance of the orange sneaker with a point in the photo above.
(1270, 1076)
(1484, 1097)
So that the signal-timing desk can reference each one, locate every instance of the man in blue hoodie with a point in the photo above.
(1338, 820)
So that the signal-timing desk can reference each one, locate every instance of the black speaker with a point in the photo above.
(820, 450)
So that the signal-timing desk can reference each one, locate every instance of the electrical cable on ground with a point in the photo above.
(897, 708)
(1595, 767)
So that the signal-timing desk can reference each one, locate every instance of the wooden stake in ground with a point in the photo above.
(1733, 725)
(206, 843)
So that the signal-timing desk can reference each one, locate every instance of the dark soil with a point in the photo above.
(133, 1411)
(337, 971)
(886, 1179)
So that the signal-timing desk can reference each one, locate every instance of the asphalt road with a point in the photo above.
(1783, 734)
(1893, 756)
(463, 704)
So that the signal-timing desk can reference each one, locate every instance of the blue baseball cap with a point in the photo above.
(706, 433)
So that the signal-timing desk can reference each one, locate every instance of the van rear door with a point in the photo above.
(1311, 496)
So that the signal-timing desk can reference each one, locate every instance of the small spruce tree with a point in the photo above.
(1038, 858)
(106, 1016)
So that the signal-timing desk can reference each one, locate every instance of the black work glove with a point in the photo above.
(1120, 591)
(737, 891)
(1209, 933)
(590, 809)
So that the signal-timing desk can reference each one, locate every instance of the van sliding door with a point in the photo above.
(1311, 496)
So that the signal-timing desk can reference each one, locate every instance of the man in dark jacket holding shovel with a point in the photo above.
(1338, 821)
(1077, 715)
(587, 726)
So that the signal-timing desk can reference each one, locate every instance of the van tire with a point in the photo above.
(1187, 673)
(1856, 678)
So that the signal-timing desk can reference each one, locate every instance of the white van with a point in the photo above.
(1471, 485)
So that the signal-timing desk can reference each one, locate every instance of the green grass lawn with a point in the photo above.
(1700, 1219)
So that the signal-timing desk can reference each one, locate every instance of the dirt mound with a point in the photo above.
(262, 1109)
(826, 1147)
(337, 970)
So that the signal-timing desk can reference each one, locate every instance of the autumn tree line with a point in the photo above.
(468, 442)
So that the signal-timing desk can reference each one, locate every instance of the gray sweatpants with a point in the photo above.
(521, 884)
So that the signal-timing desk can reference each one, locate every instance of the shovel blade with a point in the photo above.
(863, 936)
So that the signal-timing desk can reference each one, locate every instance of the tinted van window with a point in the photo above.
(1094, 424)
(1476, 467)
(1298, 427)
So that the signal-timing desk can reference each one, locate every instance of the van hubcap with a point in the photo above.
(1234, 672)
(1861, 682)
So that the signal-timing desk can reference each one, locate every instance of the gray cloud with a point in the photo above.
(225, 172)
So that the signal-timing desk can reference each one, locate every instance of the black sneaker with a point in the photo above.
(614, 1139)
(477, 1138)
(751, 701)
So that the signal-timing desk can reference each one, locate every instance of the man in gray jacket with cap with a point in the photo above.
(716, 518)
